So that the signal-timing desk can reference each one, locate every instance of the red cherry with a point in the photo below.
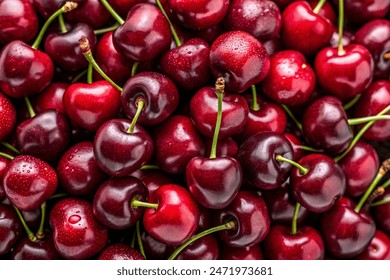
(120, 251)
(10, 228)
(39, 250)
(378, 249)
(241, 253)
(7, 116)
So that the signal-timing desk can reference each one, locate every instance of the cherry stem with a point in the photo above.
(386, 184)
(380, 202)
(78, 77)
(111, 10)
(219, 90)
(29, 233)
(291, 115)
(173, 31)
(90, 73)
(62, 24)
(136, 203)
(30, 108)
(302, 170)
(374, 195)
(140, 103)
(149, 167)
(295, 218)
(58, 195)
(106, 29)
(134, 68)
(307, 148)
(10, 147)
(255, 105)
(386, 55)
(360, 134)
(86, 50)
(40, 233)
(132, 243)
(6, 156)
(357, 121)
(67, 7)
(319, 6)
(229, 225)
(341, 50)
(385, 167)
(139, 240)
(352, 102)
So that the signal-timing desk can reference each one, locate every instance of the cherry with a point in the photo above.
(10, 229)
(47, 7)
(297, 144)
(7, 116)
(91, 12)
(378, 249)
(240, 59)
(50, 98)
(226, 147)
(3, 167)
(381, 212)
(241, 253)
(257, 158)
(205, 248)
(29, 182)
(290, 80)
(326, 11)
(76, 232)
(154, 249)
(262, 19)
(363, 11)
(123, 6)
(39, 250)
(120, 251)
(152, 178)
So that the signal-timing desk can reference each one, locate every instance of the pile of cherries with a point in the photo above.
(194, 129)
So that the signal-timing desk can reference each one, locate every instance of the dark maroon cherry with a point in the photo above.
(378, 249)
(123, 7)
(39, 250)
(296, 143)
(381, 212)
(327, 11)
(205, 248)
(50, 98)
(91, 12)
(120, 251)
(359, 12)
(7, 116)
(226, 147)
(10, 228)
(47, 7)
(154, 249)
(153, 178)
(253, 252)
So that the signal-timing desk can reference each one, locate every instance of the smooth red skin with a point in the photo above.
(18, 21)
(345, 232)
(360, 167)
(257, 158)
(91, 105)
(306, 244)
(41, 250)
(112, 202)
(378, 249)
(92, 12)
(144, 35)
(281, 206)
(290, 80)
(29, 181)
(122, 7)
(198, 14)
(176, 141)
(375, 99)
(159, 93)
(10, 228)
(205, 248)
(262, 19)
(24, 71)
(47, 7)
(188, 65)
(347, 37)
(344, 76)
(204, 110)
(240, 59)
(249, 211)
(115, 65)
(295, 142)
(375, 36)
(176, 218)
(381, 213)
(3, 167)
(303, 30)
(214, 182)
(78, 172)
(327, 11)
(45, 136)
(119, 153)
(153, 179)
(272, 46)
(64, 48)
(225, 147)
(322, 186)
(120, 251)
(7, 116)
(241, 253)
(77, 233)
(154, 249)
(50, 98)
(325, 125)
(359, 12)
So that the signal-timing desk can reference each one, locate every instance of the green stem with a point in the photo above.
(173, 31)
(62, 24)
(307, 148)
(86, 50)
(10, 147)
(140, 103)
(6, 156)
(255, 105)
(111, 10)
(386, 184)
(139, 240)
(149, 167)
(357, 121)
(295, 219)
(106, 29)
(341, 50)
(291, 115)
(227, 226)
(78, 77)
(30, 108)
(380, 202)
(90, 73)
(58, 195)
(134, 68)
(136, 203)
(302, 170)
(319, 6)
(219, 90)
(132, 243)
(40, 233)
(351, 102)
(29, 233)
(67, 7)
(360, 134)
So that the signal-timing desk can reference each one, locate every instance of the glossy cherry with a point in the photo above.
(120, 251)
(47, 7)
(381, 213)
(253, 252)
(226, 147)
(10, 228)
(91, 12)
(153, 178)
(50, 98)
(123, 7)
(363, 11)
(205, 248)
(378, 249)
(40, 250)
(7, 116)
(3, 167)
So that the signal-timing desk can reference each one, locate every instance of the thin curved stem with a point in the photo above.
(10, 147)
(139, 239)
(136, 203)
(134, 68)
(61, 23)
(291, 115)
(255, 105)
(30, 108)
(319, 6)
(106, 29)
(41, 230)
(352, 102)
(29, 233)
(295, 219)
(173, 31)
(341, 50)
(78, 77)
(111, 10)
(6, 156)
(302, 170)
(219, 90)
(140, 103)
(380, 202)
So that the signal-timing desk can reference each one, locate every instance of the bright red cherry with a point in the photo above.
(7, 116)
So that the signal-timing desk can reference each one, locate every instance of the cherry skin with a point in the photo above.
(262, 19)
(7, 116)
(303, 30)
(249, 211)
(327, 11)
(325, 125)
(120, 251)
(143, 40)
(10, 228)
(29, 182)
(91, 12)
(226, 147)
(240, 59)
(3, 167)
(119, 152)
(47, 7)
(112, 202)
(40, 250)
(362, 11)
(159, 92)
(205, 248)
(381, 213)
(153, 179)
(50, 98)
(77, 234)
(296, 143)
(154, 249)
(122, 7)
(176, 217)
(257, 158)
(378, 249)
(241, 253)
